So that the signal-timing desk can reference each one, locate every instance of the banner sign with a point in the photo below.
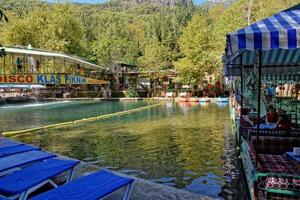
(71, 79)
(17, 79)
(96, 81)
(50, 79)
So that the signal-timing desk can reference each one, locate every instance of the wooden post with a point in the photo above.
(65, 61)
(255, 190)
(12, 63)
(24, 59)
(54, 64)
(4, 68)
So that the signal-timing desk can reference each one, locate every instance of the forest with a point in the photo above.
(187, 38)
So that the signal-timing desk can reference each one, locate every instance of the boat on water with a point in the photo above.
(267, 119)
(222, 100)
(204, 100)
(191, 99)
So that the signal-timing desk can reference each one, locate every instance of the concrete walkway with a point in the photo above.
(143, 189)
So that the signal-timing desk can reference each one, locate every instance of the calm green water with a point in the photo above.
(187, 146)
(24, 116)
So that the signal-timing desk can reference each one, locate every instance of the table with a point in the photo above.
(296, 159)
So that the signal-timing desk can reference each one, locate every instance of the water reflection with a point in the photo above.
(24, 116)
(208, 185)
(222, 104)
(181, 145)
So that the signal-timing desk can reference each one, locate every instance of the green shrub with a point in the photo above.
(131, 92)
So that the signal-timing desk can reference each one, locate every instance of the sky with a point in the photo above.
(101, 1)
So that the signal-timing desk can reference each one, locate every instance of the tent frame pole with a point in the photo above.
(258, 102)
(242, 99)
(4, 68)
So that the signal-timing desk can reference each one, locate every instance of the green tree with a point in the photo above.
(115, 40)
(162, 31)
(196, 45)
(156, 56)
(2, 17)
(48, 27)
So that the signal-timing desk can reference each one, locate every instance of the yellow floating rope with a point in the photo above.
(84, 120)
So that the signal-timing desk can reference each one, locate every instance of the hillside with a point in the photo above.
(151, 2)
(150, 34)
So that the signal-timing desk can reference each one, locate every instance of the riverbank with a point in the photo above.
(28, 100)
(143, 189)
(210, 99)
(109, 99)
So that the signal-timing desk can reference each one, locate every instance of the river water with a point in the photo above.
(188, 146)
(25, 116)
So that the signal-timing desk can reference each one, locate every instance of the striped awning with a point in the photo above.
(278, 37)
(281, 77)
(279, 31)
(270, 58)
(268, 74)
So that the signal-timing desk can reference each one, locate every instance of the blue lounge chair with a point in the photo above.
(92, 187)
(20, 184)
(10, 150)
(6, 142)
(11, 163)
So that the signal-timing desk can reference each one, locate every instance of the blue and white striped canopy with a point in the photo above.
(280, 31)
(277, 36)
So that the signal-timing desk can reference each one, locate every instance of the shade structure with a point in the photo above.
(270, 58)
(52, 54)
(266, 51)
(281, 78)
(278, 38)
(279, 31)
(14, 86)
(21, 86)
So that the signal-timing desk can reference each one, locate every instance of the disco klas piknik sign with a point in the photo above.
(47, 79)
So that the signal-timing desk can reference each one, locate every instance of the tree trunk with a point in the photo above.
(250, 5)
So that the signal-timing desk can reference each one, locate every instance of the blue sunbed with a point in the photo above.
(6, 142)
(92, 187)
(10, 150)
(21, 183)
(12, 162)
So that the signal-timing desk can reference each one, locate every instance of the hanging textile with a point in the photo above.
(250, 92)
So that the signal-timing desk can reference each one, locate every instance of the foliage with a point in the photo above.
(203, 40)
(2, 17)
(190, 39)
(196, 45)
(48, 27)
(131, 92)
